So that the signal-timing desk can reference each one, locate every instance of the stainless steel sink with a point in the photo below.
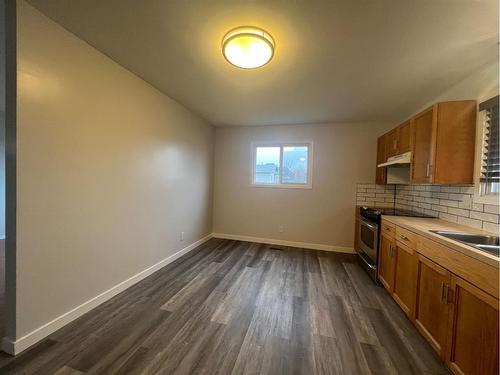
(488, 244)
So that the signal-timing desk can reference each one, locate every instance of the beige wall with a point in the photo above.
(344, 154)
(109, 172)
(480, 85)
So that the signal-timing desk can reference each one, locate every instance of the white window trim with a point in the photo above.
(493, 199)
(281, 145)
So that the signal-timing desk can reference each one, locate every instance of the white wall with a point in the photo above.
(343, 155)
(2, 120)
(109, 172)
(480, 85)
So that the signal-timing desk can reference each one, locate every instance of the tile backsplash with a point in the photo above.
(451, 203)
(375, 195)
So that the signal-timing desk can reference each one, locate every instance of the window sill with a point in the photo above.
(282, 186)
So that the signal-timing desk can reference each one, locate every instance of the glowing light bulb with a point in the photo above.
(248, 47)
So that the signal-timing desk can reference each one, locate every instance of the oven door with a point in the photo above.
(368, 239)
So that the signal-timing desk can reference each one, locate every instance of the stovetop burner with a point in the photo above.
(399, 212)
(375, 213)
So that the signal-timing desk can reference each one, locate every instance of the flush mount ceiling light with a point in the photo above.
(248, 47)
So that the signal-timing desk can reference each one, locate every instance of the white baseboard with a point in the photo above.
(272, 241)
(17, 346)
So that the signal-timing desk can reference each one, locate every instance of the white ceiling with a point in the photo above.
(335, 61)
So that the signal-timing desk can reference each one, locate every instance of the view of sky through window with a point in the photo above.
(267, 164)
(281, 165)
(295, 165)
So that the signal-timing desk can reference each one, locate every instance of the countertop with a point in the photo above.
(423, 226)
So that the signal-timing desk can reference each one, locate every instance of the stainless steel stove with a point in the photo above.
(369, 234)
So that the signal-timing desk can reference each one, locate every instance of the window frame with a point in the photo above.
(479, 197)
(282, 145)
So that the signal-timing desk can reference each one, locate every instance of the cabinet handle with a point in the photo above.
(428, 170)
(444, 293)
(404, 238)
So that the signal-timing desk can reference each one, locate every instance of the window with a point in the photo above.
(489, 167)
(282, 164)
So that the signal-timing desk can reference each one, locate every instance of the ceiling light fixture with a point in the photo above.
(248, 47)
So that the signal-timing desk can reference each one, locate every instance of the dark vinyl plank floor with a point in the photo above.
(231, 307)
(2, 286)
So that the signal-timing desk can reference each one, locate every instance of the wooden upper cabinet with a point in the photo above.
(380, 176)
(398, 140)
(404, 137)
(455, 142)
(433, 307)
(472, 346)
(391, 143)
(424, 140)
(443, 141)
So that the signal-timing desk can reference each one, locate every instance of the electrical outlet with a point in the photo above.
(281, 228)
(182, 236)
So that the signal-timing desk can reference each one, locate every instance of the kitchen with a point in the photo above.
(260, 187)
(441, 271)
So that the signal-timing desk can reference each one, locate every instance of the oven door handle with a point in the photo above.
(369, 225)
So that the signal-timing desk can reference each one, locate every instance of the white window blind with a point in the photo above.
(490, 154)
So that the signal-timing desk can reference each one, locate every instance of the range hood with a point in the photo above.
(398, 159)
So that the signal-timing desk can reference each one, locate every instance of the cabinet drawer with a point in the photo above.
(389, 229)
(406, 237)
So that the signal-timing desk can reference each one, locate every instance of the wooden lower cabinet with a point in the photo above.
(356, 230)
(472, 330)
(387, 262)
(433, 307)
(405, 279)
(459, 319)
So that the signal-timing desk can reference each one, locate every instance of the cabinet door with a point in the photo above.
(356, 233)
(391, 143)
(404, 133)
(455, 143)
(387, 262)
(405, 279)
(381, 172)
(432, 309)
(424, 141)
(472, 331)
